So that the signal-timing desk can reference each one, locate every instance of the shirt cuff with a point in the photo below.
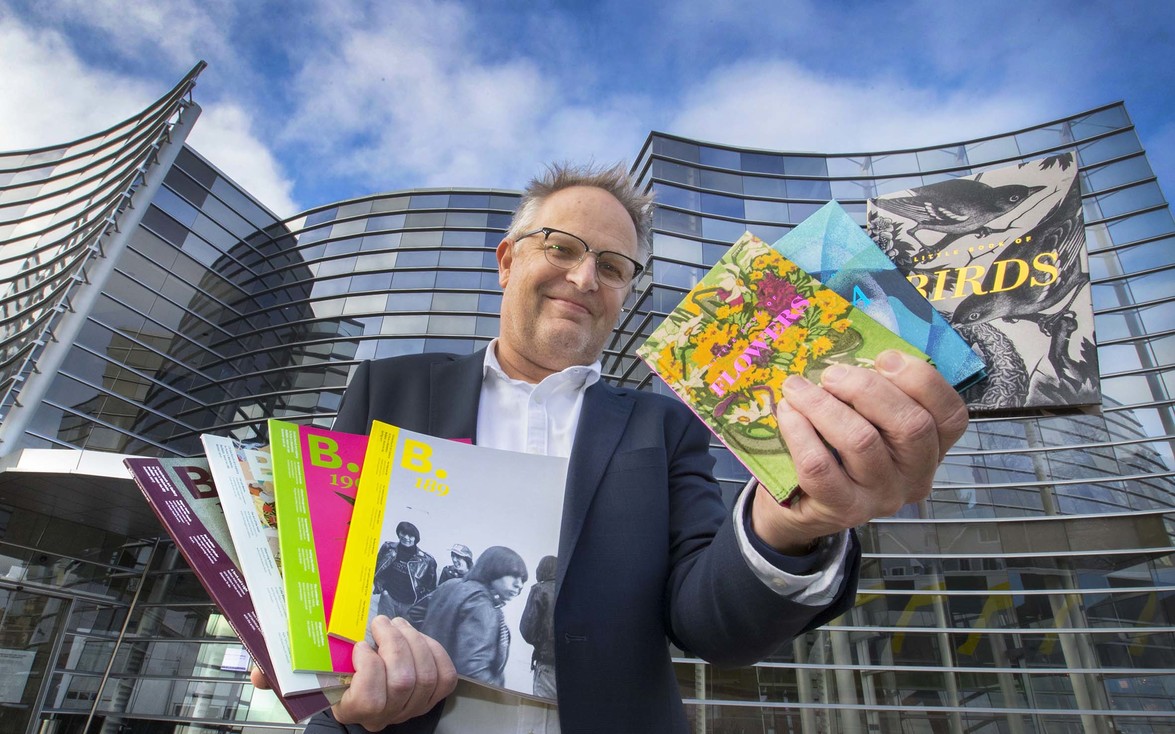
(814, 579)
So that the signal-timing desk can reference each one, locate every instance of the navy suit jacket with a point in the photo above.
(647, 548)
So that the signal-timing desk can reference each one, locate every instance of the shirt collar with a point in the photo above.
(580, 377)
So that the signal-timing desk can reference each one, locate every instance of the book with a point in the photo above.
(753, 320)
(181, 493)
(304, 608)
(243, 478)
(1002, 255)
(316, 476)
(421, 496)
(832, 247)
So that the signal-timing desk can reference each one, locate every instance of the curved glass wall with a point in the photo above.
(219, 315)
(1033, 590)
(59, 212)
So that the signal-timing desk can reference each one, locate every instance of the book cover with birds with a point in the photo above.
(748, 324)
(832, 247)
(1002, 255)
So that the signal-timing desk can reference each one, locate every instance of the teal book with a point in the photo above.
(830, 246)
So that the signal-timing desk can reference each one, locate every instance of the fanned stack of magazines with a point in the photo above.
(301, 542)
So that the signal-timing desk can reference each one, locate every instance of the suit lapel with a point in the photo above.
(455, 391)
(601, 424)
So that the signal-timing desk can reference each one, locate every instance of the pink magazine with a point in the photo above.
(332, 461)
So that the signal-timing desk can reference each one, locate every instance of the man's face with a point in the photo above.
(406, 540)
(552, 318)
(460, 563)
(507, 587)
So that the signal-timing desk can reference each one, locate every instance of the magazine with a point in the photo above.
(1002, 255)
(423, 501)
(752, 321)
(316, 476)
(833, 248)
(181, 493)
(244, 482)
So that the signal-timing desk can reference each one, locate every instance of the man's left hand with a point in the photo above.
(890, 428)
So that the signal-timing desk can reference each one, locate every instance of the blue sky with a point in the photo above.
(312, 101)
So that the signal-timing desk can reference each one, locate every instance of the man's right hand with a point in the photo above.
(404, 676)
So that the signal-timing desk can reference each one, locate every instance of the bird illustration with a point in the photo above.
(957, 207)
(1006, 384)
(1059, 231)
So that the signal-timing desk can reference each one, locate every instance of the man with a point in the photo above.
(648, 552)
(404, 574)
(538, 627)
(462, 559)
(465, 616)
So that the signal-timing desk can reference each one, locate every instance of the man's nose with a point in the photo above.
(584, 274)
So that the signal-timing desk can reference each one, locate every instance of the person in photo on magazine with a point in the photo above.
(538, 626)
(404, 574)
(462, 561)
(649, 552)
(465, 615)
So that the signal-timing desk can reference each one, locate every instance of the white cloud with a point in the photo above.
(224, 136)
(50, 97)
(177, 31)
(780, 105)
(409, 95)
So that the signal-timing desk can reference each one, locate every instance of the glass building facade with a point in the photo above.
(146, 298)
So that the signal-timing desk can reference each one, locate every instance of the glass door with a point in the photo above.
(30, 624)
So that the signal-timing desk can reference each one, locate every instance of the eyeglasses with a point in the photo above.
(566, 251)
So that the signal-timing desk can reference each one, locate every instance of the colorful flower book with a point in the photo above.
(832, 247)
(316, 475)
(181, 493)
(752, 321)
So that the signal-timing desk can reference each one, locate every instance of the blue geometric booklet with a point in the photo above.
(838, 253)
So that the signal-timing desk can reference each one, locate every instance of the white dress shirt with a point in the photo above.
(541, 419)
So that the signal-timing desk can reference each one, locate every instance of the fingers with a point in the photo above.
(258, 679)
(888, 429)
(403, 677)
(414, 671)
(817, 467)
(923, 383)
(882, 429)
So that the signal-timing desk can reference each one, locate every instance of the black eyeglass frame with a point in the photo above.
(587, 250)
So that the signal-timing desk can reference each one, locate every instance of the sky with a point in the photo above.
(308, 102)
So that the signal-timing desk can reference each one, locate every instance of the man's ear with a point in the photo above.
(505, 255)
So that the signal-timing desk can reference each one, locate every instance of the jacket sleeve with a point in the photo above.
(531, 613)
(717, 608)
(428, 583)
(477, 642)
(381, 558)
(325, 723)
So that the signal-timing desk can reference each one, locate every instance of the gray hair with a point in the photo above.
(615, 180)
